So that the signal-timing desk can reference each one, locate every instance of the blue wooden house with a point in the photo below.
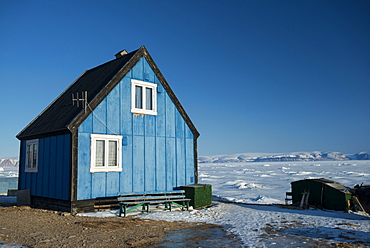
(118, 128)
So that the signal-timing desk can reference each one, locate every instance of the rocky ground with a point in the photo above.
(43, 228)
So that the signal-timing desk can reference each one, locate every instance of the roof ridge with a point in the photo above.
(113, 60)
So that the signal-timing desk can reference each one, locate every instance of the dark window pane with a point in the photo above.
(100, 153)
(138, 97)
(34, 156)
(112, 153)
(149, 98)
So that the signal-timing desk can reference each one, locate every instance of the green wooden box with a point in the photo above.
(200, 195)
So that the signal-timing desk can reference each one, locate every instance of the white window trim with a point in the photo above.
(28, 167)
(94, 138)
(143, 84)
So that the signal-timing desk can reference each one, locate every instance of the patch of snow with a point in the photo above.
(250, 222)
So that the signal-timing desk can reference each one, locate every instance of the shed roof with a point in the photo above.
(327, 182)
(62, 117)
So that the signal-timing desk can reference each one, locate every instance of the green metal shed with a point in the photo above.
(323, 193)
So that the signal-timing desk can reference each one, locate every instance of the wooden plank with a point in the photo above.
(138, 124)
(126, 175)
(66, 170)
(180, 162)
(33, 180)
(148, 72)
(74, 165)
(138, 163)
(137, 70)
(112, 183)
(188, 133)
(49, 203)
(113, 111)
(189, 161)
(84, 185)
(161, 113)
(149, 197)
(150, 125)
(52, 165)
(150, 165)
(160, 169)
(28, 181)
(170, 118)
(170, 163)
(98, 184)
(180, 149)
(126, 115)
(40, 171)
(45, 168)
(87, 125)
(169, 192)
(180, 125)
(59, 166)
(100, 118)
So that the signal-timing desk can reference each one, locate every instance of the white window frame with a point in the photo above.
(31, 145)
(144, 86)
(106, 139)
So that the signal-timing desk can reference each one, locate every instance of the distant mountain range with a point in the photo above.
(254, 157)
(276, 157)
(8, 163)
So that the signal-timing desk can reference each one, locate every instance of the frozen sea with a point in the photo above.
(266, 183)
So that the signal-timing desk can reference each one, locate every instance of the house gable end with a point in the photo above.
(146, 75)
(157, 150)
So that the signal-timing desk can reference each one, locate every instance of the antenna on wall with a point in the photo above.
(77, 100)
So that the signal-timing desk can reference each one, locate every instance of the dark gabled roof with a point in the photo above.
(327, 182)
(62, 117)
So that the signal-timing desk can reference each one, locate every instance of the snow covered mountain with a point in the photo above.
(8, 163)
(272, 157)
(362, 156)
(255, 157)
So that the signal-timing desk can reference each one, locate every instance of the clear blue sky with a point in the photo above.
(254, 76)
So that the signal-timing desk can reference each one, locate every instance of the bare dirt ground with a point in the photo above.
(31, 227)
(44, 228)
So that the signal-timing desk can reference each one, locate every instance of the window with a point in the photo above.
(32, 147)
(143, 97)
(106, 153)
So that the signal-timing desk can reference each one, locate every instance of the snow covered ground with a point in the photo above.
(266, 183)
(273, 226)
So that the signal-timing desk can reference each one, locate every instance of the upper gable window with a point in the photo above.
(32, 148)
(143, 97)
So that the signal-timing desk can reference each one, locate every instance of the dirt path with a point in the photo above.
(44, 228)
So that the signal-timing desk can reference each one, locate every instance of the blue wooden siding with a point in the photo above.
(52, 179)
(159, 151)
